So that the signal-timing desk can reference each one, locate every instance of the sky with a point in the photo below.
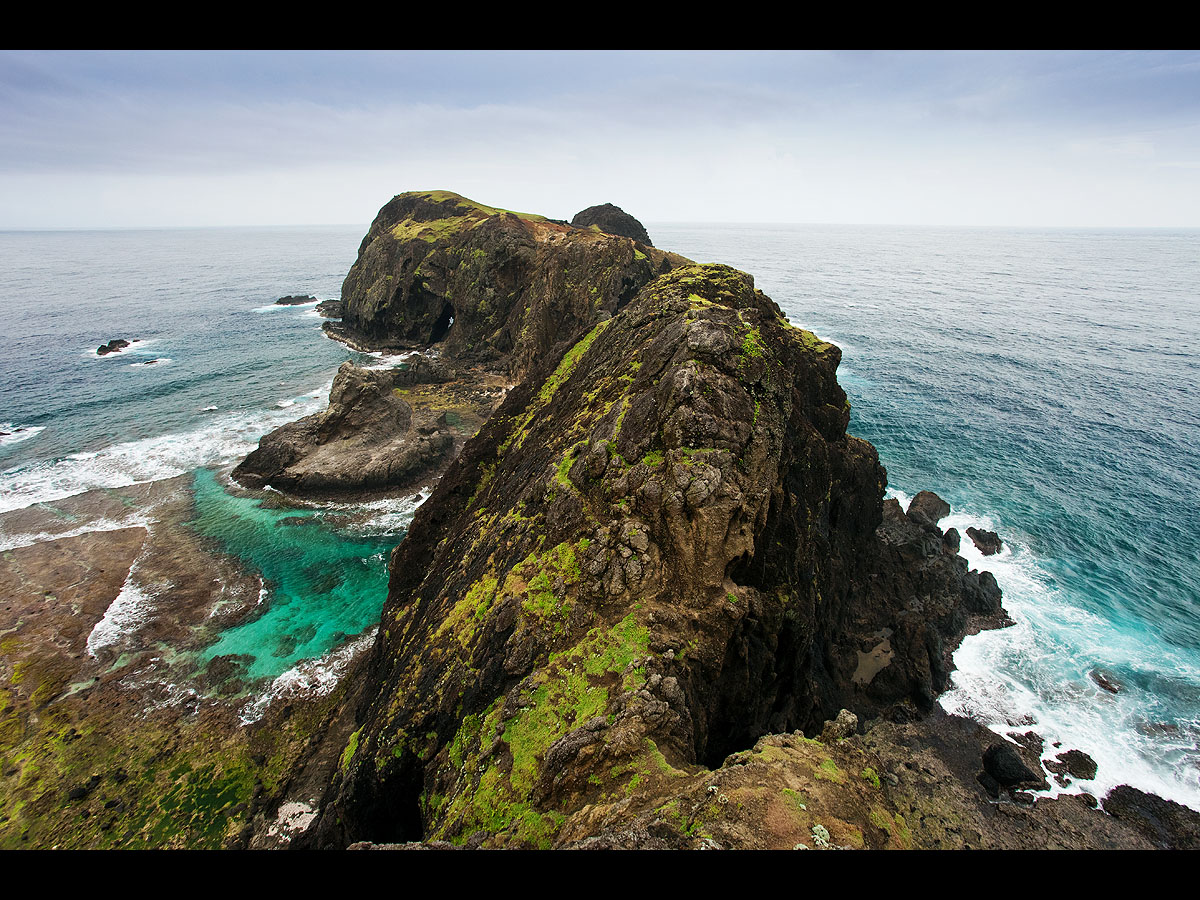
(198, 138)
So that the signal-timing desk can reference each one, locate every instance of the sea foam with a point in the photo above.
(221, 440)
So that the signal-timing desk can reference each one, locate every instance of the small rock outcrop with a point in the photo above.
(927, 508)
(1164, 822)
(331, 309)
(612, 220)
(988, 542)
(295, 300)
(1075, 763)
(654, 553)
(114, 346)
(367, 439)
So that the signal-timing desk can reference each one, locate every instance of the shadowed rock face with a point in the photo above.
(649, 556)
(486, 285)
(613, 220)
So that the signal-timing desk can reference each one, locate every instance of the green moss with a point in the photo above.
(351, 749)
(829, 771)
(653, 458)
(871, 776)
(752, 345)
(796, 801)
(564, 467)
(638, 254)
(569, 361)
(564, 694)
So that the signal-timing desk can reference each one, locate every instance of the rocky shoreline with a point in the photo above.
(657, 599)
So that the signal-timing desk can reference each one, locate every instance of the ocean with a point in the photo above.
(1046, 383)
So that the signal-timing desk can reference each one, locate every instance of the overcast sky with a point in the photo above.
(98, 139)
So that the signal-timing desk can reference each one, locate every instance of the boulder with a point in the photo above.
(988, 542)
(114, 346)
(927, 508)
(612, 220)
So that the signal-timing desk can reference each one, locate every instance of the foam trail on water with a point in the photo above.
(131, 609)
(310, 678)
(223, 439)
(14, 541)
(1041, 674)
(388, 516)
(15, 434)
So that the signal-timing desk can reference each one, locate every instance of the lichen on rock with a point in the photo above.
(652, 554)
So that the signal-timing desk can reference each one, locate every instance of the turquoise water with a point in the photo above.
(1045, 382)
(320, 586)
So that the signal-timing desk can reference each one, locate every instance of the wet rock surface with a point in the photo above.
(112, 733)
(988, 542)
(114, 346)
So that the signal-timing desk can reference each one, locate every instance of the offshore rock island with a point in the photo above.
(656, 600)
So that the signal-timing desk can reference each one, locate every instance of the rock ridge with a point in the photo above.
(652, 554)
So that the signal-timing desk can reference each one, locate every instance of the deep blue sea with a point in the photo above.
(1044, 382)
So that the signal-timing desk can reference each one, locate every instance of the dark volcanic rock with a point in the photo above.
(651, 555)
(927, 508)
(988, 542)
(1003, 763)
(1106, 680)
(331, 309)
(486, 285)
(1164, 822)
(612, 220)
(295, 300)
(113, 346)
(1075, 763)
(368, 438)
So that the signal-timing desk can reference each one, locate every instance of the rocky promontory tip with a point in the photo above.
(485, 285)
(367, 439)
(613, 220)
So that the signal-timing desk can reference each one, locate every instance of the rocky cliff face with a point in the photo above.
(650, 556)
(485, 284)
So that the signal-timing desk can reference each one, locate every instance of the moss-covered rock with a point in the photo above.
(485, 284)
(665, 540)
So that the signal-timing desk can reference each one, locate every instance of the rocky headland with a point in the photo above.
(657, 599)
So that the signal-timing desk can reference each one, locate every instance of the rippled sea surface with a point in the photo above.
(1046, 383)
